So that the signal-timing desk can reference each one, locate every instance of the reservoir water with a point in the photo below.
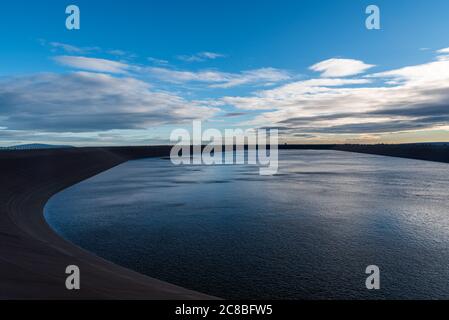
(308, 232)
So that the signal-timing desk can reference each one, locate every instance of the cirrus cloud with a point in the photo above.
(93, 64)
(218, 79)
(201, 56)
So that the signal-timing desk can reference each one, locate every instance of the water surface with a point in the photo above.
(307, 233)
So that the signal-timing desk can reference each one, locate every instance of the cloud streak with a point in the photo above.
(93, 64)
(84, 102)
(201, 56)
(212, 78)
(340, 67)
(218, 79)
(409, 98)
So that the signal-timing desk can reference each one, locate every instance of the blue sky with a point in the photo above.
(138, 69)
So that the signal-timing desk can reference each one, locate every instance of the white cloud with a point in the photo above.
(410, 98)
(157, 61)
(443, 54)
(93, 64)
(176, 76)
(214, 78)
(289, 94)
(340, 67)
(75, 50)
(217, 79)
(69, 48)
(117, 52)
(66, 47)
(415, 97)
(264, 76)
(201, 56)
(436, 73)
(211, 55)
(88, 102)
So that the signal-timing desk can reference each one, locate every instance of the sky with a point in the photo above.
(137, 70)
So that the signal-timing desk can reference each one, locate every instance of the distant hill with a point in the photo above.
(34, 146)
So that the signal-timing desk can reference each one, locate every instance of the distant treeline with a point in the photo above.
(34, 146)
(421, 151)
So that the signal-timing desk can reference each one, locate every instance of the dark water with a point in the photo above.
(307, 233)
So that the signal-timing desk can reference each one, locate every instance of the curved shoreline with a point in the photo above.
(33, 257)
